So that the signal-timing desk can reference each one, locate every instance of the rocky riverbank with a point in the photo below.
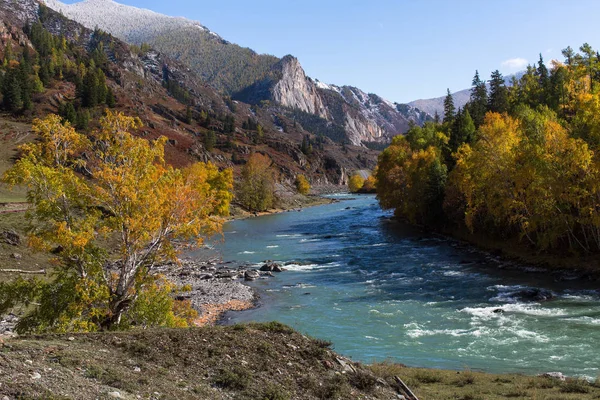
(215, 288)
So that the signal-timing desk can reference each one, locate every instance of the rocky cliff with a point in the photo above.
(365, 118)
(248, 76)
(295, 90)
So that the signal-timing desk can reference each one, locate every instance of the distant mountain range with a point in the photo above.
(436, 104)
(250, 77)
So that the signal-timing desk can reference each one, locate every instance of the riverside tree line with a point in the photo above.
(519, 160)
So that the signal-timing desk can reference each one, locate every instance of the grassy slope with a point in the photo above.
(257, 361)
(12, 134)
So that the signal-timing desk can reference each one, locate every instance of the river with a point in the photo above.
(382, 291)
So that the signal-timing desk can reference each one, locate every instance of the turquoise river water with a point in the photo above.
(381, 291)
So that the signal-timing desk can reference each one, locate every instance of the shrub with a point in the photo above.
(302, 185)
(355, 183)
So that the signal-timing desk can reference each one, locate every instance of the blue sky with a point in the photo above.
(402, 50)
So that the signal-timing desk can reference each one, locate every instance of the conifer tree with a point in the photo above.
(449, 109)
(479, 100)
(568, 54)
(12, 99)
(498, 101)
(463, 130)
(544, 80)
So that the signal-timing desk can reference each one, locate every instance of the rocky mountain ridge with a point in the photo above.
(246, 75)
(148, 84)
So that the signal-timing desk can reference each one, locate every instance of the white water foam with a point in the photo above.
(585, 320)
(310, 267)
(533, 309)
(272, 247)
(454, 273)
(247, 252)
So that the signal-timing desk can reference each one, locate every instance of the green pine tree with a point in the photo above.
(498, 101)
(449, 109)
(12, 99)
(479, 100)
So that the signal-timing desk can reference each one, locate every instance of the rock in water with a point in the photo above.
(270, 266)
(251, 275)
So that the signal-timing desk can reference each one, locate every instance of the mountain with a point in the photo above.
(170, 99)
(247, 76)
(436, 105)
(365, 118)
(462, 97)
(226, 66)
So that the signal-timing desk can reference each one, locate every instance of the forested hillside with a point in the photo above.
(515, 162)
(53, 65)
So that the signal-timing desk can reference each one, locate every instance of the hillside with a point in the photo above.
(149, 84)
(226, 66)
(247, 76)
(256, 361)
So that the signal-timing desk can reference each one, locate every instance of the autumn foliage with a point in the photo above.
(256, 188)
(112, 188)
(530, 171)
(355, 183)
(302, 184)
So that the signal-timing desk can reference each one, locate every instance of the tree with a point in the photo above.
(589, 61)
(370, 185)
(498, 100)
(256, 189)
(479, 100)
(122, 190)
(449, 109)
(568, 54)
(355, 183)
(12, 91)
(302, 184)
(463, 130)
(411, 181)
(210, 140)
(306, 146)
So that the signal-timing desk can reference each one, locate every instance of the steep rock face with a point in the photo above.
(295, 90)
(368, 117)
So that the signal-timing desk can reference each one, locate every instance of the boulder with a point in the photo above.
(269, 266)
(11, 237)
(251, 275)
(554, 375)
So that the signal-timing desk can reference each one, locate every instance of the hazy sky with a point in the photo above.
(402, 50)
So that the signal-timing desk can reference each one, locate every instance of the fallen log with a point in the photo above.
(22, 271)
(406, 389)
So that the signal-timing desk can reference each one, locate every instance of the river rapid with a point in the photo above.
(380, 290)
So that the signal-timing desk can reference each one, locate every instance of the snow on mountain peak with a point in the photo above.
(134, 25)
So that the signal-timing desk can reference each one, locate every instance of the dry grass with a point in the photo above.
(431, 384)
